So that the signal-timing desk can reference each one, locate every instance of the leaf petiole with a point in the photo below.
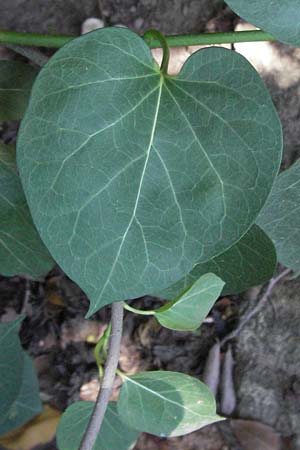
(121, 374)
(150, 312)
(151, 35)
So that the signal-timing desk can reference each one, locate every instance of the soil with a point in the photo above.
(266, 374)
(66, 16)
(46, 16)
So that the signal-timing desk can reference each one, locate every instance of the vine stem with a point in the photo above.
(263, 300)
(176, 40)
(94, 426)
(30, 53)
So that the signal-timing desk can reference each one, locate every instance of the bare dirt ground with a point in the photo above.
(266, 372)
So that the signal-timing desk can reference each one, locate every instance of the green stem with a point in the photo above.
(231, 37)
(100, 350)
(121, 374)
(154, 35)
(34, 39)
(138, 311)
(56, 41)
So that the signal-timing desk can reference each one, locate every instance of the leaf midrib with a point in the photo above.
(137, 197)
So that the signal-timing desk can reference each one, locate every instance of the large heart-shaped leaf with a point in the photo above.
(190, 309)
(21, 249)
(166, 403)
(250, 262)
(11, 364)
(280, 217)
(114, 434)
(132, 176)
(281, 18)
(27, 404)
(16, 79)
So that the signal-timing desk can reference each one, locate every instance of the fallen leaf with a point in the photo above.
(255, 435)
(55, 299)
(83, 330)
(89, 391)
(40, 430)
(211, 375)
(228, 397)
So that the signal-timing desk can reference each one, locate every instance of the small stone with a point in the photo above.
(89, 391)
(91, 24)
(138, 23)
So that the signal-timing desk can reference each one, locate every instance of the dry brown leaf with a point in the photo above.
(146, 331)
(89, 391)
(211, 375)
(55, 299)
(40, 430)
(255, 435)
(81, 331)
(228, 397)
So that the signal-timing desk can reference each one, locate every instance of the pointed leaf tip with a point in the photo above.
(166, 404)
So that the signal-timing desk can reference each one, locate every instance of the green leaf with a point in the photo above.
(21, 249)
(16, 79)
(27, 404)
(114, 434)
(281, 18)
(166, 403)
(280, 217)
(11, 364)
(129, 174)
(250, 262)
(189, 311)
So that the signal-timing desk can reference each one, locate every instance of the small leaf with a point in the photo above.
(250, 262)
(114, 434)
(280, 217)
(21, 249)
(27, 404)
(11, 364)
(166, 403)
(16, 79)
(123, 164)
(281, 18)
(190, 309)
